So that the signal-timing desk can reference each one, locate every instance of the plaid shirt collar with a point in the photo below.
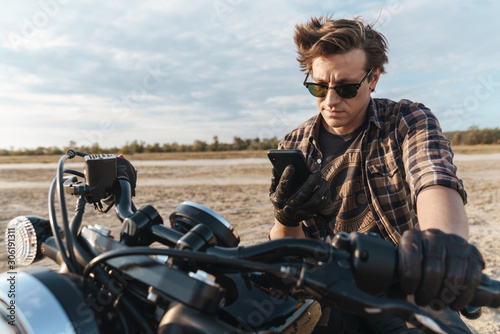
(313, 126)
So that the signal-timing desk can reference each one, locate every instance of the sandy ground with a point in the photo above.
(237, 190)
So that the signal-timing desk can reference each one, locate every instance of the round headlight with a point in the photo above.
(20, 240)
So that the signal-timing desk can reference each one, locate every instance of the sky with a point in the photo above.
(164, 71)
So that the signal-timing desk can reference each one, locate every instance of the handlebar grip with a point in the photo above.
(487, 294)
(123, 198)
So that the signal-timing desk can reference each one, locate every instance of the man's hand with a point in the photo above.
(291, 208)
(439, 268)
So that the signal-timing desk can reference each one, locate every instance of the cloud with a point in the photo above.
(444, 60)
(163, 71)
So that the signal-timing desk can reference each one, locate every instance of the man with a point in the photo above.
(379, 166)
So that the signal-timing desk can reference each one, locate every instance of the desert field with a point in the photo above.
(237, 189)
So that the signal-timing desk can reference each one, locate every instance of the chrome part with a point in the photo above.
(161, 258)
(373, 310)
(429, 323)
(204, 277)
(100, 229)
(152, 296)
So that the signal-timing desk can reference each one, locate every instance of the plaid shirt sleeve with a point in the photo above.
(427, 155)
(406, 153)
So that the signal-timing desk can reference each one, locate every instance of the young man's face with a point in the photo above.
(341, 115)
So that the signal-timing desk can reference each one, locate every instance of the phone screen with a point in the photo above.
(282, 158)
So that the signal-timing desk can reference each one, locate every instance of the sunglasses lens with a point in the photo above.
(318, 91)
(346, 91)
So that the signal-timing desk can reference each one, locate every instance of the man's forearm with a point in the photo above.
(442, 208)
(281, 231)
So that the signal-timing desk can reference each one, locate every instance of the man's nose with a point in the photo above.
(332, 98)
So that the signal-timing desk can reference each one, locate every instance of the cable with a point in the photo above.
(74, 172)
(55, 228)
(82, 256)
(73, 153)
(124, 322)
(132, 311)
(71, 236)
(196, 256)
(64, 212)
(67, 253)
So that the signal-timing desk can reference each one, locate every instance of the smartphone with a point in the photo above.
(282, 158)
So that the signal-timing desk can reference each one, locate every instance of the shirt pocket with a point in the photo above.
(386, 179)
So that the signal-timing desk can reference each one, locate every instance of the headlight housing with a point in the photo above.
(21, 241)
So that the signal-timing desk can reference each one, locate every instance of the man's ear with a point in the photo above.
(375, 76)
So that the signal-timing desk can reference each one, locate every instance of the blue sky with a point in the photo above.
(176, 71)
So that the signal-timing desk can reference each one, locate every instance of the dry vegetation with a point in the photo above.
(7, 159)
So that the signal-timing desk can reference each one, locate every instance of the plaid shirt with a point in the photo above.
(403, 151)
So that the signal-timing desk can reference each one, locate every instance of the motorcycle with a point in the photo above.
(189, 277)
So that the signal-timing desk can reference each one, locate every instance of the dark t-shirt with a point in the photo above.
(349, 210)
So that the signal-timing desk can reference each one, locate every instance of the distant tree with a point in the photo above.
(489, 136)
(95, 149)
(215, 146)
(239, 144)
(473, 136)
(496, 134)
(199, 146)
(168, 147)
(269, 143)
(457, 138)
(155, 148)
(54, 150)
(254, 144)
(133, 147)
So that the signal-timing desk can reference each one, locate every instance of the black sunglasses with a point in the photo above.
(345, 91)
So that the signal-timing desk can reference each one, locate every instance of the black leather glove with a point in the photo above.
(292, 206)
(439, 269)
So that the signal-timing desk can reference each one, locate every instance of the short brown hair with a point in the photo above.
(323, 36)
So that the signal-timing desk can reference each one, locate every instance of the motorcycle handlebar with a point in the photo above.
(275, 250)
(487, 294)
(372, 259)
(123, 198)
